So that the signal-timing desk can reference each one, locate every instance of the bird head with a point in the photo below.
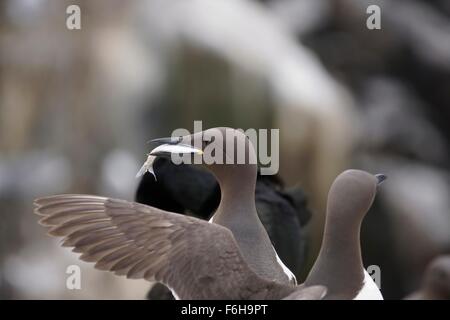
(437, 277)
(353, 192)
(223, 151)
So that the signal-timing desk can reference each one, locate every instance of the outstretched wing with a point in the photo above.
(196, 259)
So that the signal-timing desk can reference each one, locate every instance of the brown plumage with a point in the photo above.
(196, 259)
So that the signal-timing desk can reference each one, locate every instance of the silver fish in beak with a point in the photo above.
(165, 150)
(147, 167)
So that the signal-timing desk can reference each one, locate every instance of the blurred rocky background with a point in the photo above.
(77, 107)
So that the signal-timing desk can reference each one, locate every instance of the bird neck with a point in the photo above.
(339, 265)
(237, 186)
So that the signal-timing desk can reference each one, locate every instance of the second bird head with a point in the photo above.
(353, 192)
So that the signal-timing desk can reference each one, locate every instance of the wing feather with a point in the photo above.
(197, 259)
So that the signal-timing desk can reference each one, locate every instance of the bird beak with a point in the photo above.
(169, 140)
(171, 146)
(380, 177)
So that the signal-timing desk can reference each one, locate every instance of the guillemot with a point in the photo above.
(234, 165)
(339, 265)
(190, 190)
(436, 282)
